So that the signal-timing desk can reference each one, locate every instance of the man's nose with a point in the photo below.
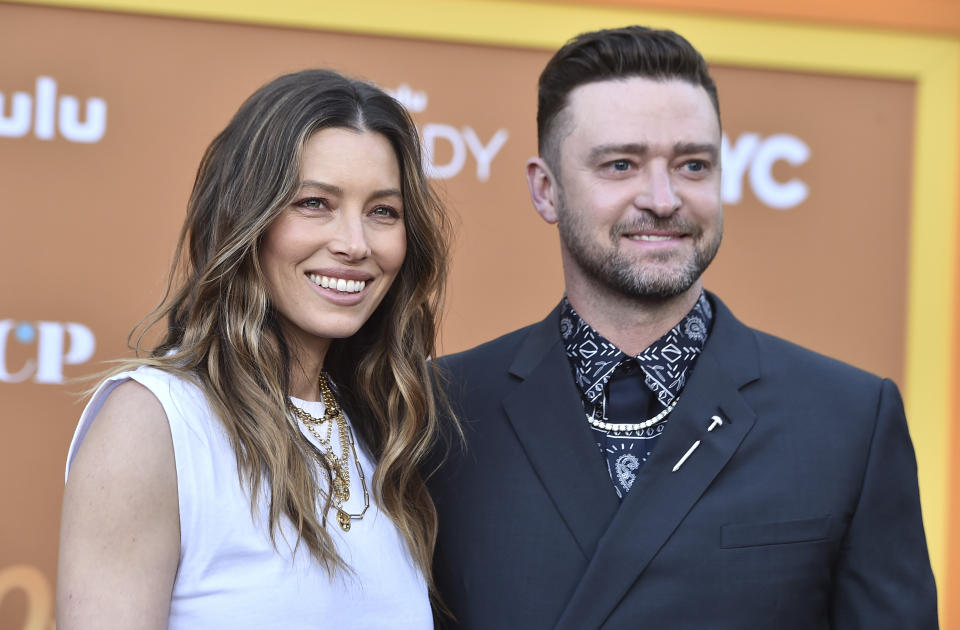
(659, 195)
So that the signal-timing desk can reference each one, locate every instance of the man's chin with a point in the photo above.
(665, 284)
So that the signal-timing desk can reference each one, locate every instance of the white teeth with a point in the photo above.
(650, 237)
(338, 284)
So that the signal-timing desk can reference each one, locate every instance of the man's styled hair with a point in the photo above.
(621, 53)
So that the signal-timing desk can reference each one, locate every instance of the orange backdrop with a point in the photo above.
(817, 190)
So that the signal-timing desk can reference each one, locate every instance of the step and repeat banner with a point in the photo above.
(104, 117)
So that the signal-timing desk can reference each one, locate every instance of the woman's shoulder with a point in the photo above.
(179, 393)
(162, 382)
(128, 410)
(120, 521)
(173, 401)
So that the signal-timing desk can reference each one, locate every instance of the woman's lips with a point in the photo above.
(339, 284)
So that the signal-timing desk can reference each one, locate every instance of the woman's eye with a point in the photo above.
(385, 212)
(313, 203)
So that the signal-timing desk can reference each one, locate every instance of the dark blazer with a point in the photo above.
(800, 511)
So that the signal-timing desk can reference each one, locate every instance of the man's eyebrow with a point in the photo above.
(688, 148)
(605, 149)
(634, 148)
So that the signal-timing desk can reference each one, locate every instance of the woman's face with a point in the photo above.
(330, 257)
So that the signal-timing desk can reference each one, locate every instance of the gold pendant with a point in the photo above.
(344, 519)
(341, 491)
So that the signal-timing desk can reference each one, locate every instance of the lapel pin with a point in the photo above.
(686, 455)
(717, 421)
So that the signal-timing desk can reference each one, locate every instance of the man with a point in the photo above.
(640, 458)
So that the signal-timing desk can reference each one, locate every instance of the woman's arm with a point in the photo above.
(120, 528)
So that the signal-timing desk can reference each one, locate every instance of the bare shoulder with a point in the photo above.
(120, 530)
(128, 441)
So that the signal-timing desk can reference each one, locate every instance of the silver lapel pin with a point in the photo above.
(686, 455)
(716, 422)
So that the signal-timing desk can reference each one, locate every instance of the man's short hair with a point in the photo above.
(620, 53)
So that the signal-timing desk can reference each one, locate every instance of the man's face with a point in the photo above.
(637, 196)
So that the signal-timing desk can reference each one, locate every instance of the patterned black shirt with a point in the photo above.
(664, 367)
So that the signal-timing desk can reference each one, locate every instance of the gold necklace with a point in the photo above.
(338, 466)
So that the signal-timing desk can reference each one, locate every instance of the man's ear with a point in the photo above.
(544, 189)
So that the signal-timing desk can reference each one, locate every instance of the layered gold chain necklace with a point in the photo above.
(339, 466)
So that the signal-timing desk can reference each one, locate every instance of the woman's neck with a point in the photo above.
(305, 370)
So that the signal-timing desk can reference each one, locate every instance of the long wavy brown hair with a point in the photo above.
(223, 332)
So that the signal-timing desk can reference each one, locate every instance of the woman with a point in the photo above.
(259, 469)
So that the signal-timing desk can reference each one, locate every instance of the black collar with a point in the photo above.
(665, 363)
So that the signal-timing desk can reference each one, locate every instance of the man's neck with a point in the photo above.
(628, 323)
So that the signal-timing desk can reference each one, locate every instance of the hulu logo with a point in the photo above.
(47, 114)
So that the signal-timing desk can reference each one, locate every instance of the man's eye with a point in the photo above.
(696, 166)
(620, 165)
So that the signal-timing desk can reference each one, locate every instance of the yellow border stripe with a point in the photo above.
(541, 25)
(931, 320)
(932, 62)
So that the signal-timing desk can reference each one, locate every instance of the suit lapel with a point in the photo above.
(547, 415)
(660, 498)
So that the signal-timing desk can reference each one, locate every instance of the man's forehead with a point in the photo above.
(632, 84)
(639, 109)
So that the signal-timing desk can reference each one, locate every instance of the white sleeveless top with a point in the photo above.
(230, 574)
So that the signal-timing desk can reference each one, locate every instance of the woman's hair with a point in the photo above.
(223, 332)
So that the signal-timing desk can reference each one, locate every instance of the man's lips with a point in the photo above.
(656, 231)
(653, 238)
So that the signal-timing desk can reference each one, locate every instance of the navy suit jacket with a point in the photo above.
(800, 511)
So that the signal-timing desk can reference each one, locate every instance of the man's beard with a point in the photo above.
(610, 267)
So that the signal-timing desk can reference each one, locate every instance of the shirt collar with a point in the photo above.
(665, 363)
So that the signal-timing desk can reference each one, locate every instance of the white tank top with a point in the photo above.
(230, 574)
